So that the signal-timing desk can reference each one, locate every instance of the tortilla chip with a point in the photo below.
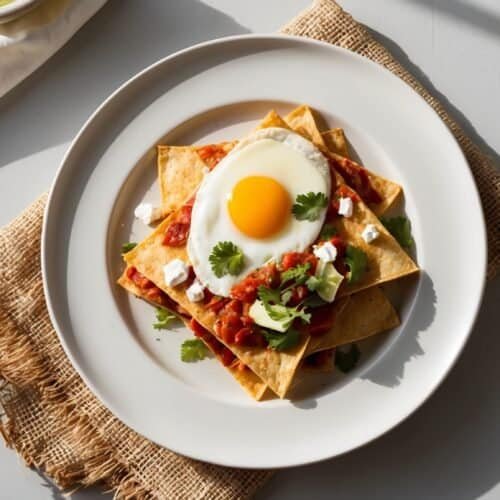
(180, 172)
(386, 259)
(336, 141)
(252, 384)
(274, 368)
(302, 121)
(272, 119)
(367, 313)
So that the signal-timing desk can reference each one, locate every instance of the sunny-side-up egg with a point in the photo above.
(248, 201)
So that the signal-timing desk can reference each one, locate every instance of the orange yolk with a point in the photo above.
(259, 206)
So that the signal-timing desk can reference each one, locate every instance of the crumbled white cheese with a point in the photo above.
(205, 170)
(195, 292)
(345, 207)
(175, 272)
(327, 252)
(147, 213)
(370, 233)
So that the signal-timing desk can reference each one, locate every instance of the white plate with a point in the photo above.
(218, 90)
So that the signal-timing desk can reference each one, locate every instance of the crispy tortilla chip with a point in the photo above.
(336, 141)
(389, 191)
(252, 384)
(302, 121)
(367, 313)
(180, 172)
(274, 368)
(272, 119)
(387, 261)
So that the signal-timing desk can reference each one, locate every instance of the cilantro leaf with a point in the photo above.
(282, 341)
(193, 350)
(126, 247)
(356, 259)
(327, 232)
(279, 312)
(163, 318)
(345, 361)
(308, 206)
(298, 274)
(314, 283)
(226, 258)
(400, 228)
(269, 294)
(286, 296)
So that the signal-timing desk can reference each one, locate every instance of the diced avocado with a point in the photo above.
(330, 281)
(259, 314)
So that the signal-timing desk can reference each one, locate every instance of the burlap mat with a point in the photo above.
(50, 417)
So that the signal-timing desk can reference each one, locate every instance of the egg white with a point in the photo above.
(273, 152)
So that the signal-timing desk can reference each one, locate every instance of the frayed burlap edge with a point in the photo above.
(52, 419)
(328, 22)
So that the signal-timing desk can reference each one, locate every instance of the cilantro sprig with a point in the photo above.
(126, 247)
(281, 341)
(346, 360)
(298, 274)
(309, 206)
(400, 228)
(271, 299)
(357, 261)
(193, 350)
(226, 258)
(163, 317)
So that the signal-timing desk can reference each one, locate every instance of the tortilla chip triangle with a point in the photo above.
(252, 384)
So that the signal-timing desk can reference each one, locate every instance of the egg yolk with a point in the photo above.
(259, 206)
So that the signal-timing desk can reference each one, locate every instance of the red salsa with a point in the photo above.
(213, 154)
(177, 232)
(357, 178)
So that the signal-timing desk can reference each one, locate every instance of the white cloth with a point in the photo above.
(27, 42)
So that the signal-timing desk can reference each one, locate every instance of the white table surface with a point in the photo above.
(450, 448)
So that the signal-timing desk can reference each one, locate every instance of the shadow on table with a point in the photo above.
(474, 15)
(449, 449)
(455, 113)
(124, 48)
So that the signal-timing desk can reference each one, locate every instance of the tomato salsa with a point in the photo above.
(357, 178)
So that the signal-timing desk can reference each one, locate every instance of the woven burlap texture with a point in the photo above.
(50, 417)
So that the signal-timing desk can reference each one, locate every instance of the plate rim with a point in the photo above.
(49, 218)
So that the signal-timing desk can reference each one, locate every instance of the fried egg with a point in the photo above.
(248, 201)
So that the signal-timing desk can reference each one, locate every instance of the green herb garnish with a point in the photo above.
(400, 228)
(281, 341)
(345, 361)
(226, 258)
(126, 247)
(356, 259)
(298, 274)
(327, 232)
(271, 299)
(163, 318)
(309, 206)
(193, 350)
